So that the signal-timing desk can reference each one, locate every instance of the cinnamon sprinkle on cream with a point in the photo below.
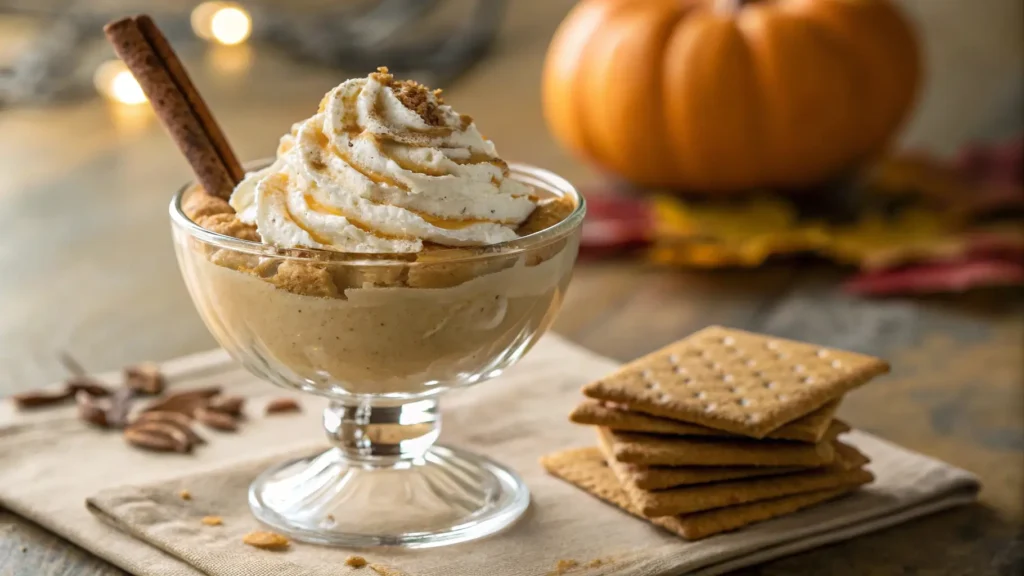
(420, 99)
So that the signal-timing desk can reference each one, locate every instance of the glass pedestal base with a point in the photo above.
(445, 496)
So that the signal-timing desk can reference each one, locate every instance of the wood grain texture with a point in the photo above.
(88, 266)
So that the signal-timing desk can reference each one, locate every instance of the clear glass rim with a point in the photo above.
(523, 172)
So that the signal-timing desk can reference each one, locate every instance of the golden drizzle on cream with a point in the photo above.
(383, 166)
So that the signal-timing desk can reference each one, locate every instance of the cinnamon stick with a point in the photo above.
(178, 105)
(181, 78)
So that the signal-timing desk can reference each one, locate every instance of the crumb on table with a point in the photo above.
(355, 561)
(266, 540)
(564, 566)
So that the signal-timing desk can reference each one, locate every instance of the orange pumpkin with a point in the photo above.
(726, 96)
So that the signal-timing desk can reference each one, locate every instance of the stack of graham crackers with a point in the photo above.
(720, 430)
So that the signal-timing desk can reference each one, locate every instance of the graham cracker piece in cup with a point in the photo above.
(586, 469)
(809, 428)
(736, 381)
(697, 498)
(651, 450)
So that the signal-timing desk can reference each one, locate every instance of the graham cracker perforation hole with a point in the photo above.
(727, 378)
(750, 362)
(710, 407)
(798, 368)
(821, 353)
(771, 385)
(836, 364)
(699, 395)
(743, 402)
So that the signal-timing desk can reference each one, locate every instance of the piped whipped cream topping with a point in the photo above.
(383, 167)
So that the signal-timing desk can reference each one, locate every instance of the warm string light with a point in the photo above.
(114, 81)
(222, 22)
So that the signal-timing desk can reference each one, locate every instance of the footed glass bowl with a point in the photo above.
(382, 337)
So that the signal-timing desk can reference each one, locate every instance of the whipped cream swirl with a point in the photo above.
(383, 167)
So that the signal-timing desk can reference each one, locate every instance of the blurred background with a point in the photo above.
(894, 230)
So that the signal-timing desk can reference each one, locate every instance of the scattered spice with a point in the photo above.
(78, 381)
(266, 540)
(217, 420)
(355, 561)
(40, 398)
(165, 424)
(179, 421)
(152, 440)
(184, 402)
(564, 566)
(212, 520)
(88, 385)
(91, 409)
(161, 436)
(185, 495)
(282, 406)
(118, 406)
(227, 404)
(144, 378)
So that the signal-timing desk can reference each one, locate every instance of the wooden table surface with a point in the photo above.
(88, 267)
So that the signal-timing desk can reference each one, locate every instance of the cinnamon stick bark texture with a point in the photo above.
(145, 51)
(182, 80)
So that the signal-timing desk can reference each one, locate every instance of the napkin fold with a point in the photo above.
(55, 471)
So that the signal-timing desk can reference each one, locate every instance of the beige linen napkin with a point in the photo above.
(50, 464)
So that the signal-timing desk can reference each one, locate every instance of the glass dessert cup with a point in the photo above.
(382, 337)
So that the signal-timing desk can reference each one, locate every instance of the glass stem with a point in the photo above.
(384, 436)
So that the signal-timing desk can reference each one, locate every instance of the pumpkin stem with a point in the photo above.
(728, 6)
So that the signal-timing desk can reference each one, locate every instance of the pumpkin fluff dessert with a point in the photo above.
(387, 241)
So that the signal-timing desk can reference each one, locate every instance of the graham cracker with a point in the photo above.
(651, 450)
(586, 469)
(808, 428)
(731, 380)
(661, 477)
(690, 499)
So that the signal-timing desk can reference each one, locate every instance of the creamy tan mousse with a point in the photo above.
(410, 287)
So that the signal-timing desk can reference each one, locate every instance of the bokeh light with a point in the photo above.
(222, 22)
(114, 81)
